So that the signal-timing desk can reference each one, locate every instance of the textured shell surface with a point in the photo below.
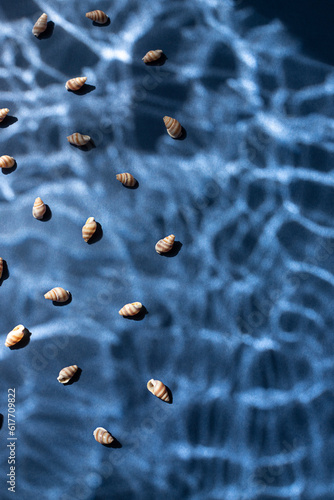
(6, 161)
(130, 309)
(75, 83)
(3, 113)
(158, 389)
(67, 373)
(98, 16)
(15, 335)
(126, 179)
(103, 436)
(1, 267)
(152, 55)
(165, 245)
(39, 208)
(78, 139)
(173, 127)
(89, 228)
(57, 294)
(40, 25)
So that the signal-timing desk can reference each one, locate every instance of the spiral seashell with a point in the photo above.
(152, 55)
(165, 245)
(3, 113)
(78, 139)
(6, 161)
(89, 228)
(130, 309)
(15, 335)
(98, 16)
(75, 83)
(40, 25)
(173, 127)
(57, 294)
(67, 373)
(39, 208)
(126, 179)
(159, 390)
(1, 267)
(102, 436)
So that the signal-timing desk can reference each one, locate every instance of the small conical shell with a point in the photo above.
(76, 83)
(152, 55)
(15, 335)
(158, 389)
(40, 25)
(126, 179)
(130, 309)
(165, 245)
(39, 208)
(6, 161)
(57, 294)
(3, 113)
(1, 267)
(98, 16)
(67, 373)
(103, 436)
(173, 127)
(89, 228)
(78, 139)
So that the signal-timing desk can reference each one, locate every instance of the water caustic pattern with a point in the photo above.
(238, 321)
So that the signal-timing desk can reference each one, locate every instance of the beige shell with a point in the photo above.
(40, 25)
(39, 208)
(76, 83)
(6, 161)
(103, 436)
(1, 267)
(165, 245)
(152, 55)
(78, 139)
(98, 16)
(67, 373)
(173, 127)
(159, 390)
(3, 113)
(89, 228)
(126, 179)
(130, 309)
(57, 294)
(15, 335)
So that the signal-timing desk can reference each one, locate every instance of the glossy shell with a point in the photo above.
(78, 139)
(67, 373)
(126, 179)
(6, 161)
(98, 16)
(15, 335)
(89, 228)
(75, 83)
(40, 25)
(158, 389)
(103, 436)
(3, 113)
(39, 208)
(130, 309)
(173, 127)
(152, 55)
(165, 245)
(1, 267)
(57, 294)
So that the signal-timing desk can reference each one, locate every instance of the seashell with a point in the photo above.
(89, 228)
(40, 25)
(39, 208)
(173, 127)
(126, 179)
(3, 113)
(1, 267)
(75, 83)
(67, 373)
(98, 16)
(102, 436)
(159, 390)
(165, 245)
(152, 55)
(57, 294)
(16, 335)
(130, 309)
(78, 139)
(6, 161)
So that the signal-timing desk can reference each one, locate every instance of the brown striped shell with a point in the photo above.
(173, 127)
(6, 161)
(98, 16)
(152, 55)
(3, 113)
(103, 436)
(40, 25)
(67, 373)
(89, 228)
(126, 179)
(159, 390)
(15, 335)
(1, 267)
(39, 208)
(165, 245)
(130, 309)
(78, 139)
(75, 83)
(57, 294)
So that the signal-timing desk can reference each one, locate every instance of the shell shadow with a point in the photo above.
(62, 304)
(94, 23)
(87, 147)
(115, 444)
(75, 377)
(139, 316)
(1, 420)
(97, 236)
(5, 272)
(48, 214)
(23, 342)
(7, 171)
(159, 62)
(8, 121)
(170, 402)
(174, 251)
(183, 135)
(48, 32)
(85, 89)
(136, 186)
